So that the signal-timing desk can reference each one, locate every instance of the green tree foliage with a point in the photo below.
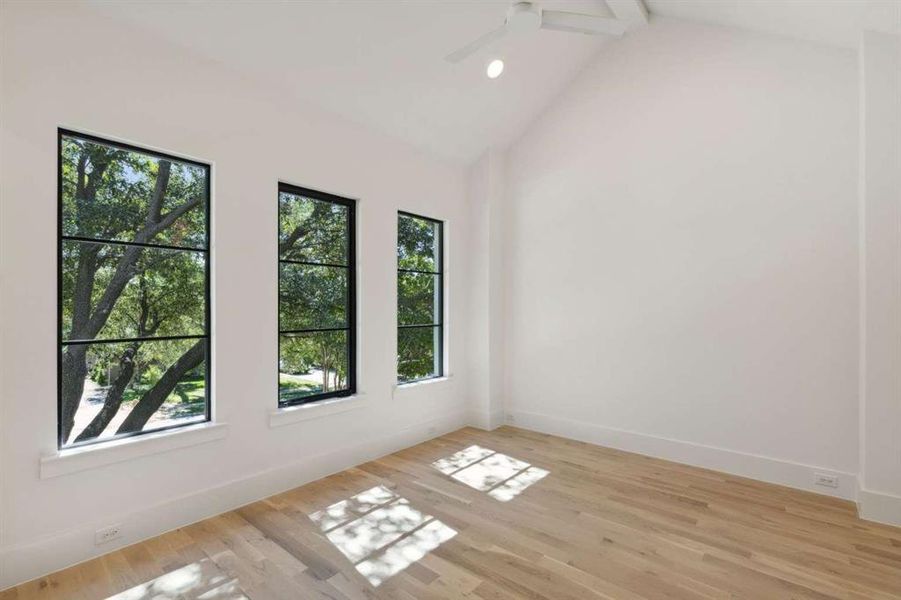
(312, 297)
(417, 244)
(115, 291)
(418, 294)
(312, 230)
(416, 353)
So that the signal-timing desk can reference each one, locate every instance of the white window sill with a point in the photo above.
(416, 384)
(98, 455)
(315, 410)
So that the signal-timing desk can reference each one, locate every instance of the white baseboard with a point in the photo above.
(879, 507)
(762, 468)
(21, 563)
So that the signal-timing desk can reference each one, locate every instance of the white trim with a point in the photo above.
(412, 385)
(316, 410)
(879, 507)
(98, 455)
(753, 466)
(24, 562)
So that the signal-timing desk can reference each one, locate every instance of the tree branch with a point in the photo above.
(127, 268)
(164, 223)
(114, 395)
(155, 396)
(298, 233)
(127, 365)
(159, 192)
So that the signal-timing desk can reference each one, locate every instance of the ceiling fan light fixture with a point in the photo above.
(495, 68)
(524, 16)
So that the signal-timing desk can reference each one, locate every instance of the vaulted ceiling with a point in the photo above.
(381, 63)
(834, 22)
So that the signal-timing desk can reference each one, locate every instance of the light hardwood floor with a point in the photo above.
(536, 517)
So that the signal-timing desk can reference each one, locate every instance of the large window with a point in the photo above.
(134, 303)
(316, 298)
(420, 298)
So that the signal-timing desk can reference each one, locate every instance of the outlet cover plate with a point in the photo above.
(825, 480)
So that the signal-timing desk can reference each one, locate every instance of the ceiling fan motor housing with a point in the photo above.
(524, 16)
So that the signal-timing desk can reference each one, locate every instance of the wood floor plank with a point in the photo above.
(508, 515)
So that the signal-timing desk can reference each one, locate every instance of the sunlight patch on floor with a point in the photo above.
(502, 477)
(380, 532)
(201, 580)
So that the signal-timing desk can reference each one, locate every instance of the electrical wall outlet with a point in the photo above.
(107, 534)
(825, 480)
(510, 418)
(433, 430)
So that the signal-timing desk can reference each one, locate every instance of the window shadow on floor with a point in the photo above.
(500, 476)
(380, 532)
(201, 579)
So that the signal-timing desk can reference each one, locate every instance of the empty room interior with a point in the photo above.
(439, 299)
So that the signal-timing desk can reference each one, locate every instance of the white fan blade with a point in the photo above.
(471, 48)
(576, 23)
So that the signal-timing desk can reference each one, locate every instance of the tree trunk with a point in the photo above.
(323, 366)
(127, 370)
(75, 369)
(84, 288)
(155, 396)
(113, 397)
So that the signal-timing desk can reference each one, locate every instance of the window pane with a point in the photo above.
(418, 242)
(135, 386)
(124, 195)
(312, 363)
(417, 298)
(142, 292)
(416, 358)
(311, 230)
(312, 297)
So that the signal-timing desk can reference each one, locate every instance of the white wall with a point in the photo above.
(682, 255)
(880, 207)
(64, 66)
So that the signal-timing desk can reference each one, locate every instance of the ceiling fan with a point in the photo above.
(529, 16)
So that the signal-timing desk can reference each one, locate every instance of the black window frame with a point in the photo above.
(205, 250)
(440, 274)
(351, 266)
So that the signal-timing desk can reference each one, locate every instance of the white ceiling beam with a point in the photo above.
(633, 12)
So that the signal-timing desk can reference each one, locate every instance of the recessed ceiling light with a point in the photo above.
(495, 68)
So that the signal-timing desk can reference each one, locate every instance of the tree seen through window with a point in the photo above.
(134, 308)
(315, 296)
(420, 304)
